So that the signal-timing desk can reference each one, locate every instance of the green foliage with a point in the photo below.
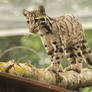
(88, 34)
(32, 41)
(86, 90)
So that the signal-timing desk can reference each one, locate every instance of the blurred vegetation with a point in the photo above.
(37, 55)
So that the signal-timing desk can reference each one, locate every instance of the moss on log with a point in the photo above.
(69, 80)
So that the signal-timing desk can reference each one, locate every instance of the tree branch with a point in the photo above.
(69, 80)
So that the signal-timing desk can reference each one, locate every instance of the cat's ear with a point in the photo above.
(41, 9)
(26, 13)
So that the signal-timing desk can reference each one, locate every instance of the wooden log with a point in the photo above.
(68, 80)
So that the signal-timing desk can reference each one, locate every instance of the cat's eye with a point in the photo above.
(28, 22)
(36, 20)
(42, 19)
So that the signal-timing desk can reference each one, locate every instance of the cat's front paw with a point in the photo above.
(75, 68)
(55, 69)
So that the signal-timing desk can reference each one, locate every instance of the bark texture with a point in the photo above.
(69, 80)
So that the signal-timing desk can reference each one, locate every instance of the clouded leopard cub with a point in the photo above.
(60, 36)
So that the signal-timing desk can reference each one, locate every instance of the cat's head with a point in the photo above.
(35, 18)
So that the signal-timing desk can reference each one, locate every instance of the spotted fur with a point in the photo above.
(60, 36)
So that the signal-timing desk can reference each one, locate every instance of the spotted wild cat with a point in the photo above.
(60, 36)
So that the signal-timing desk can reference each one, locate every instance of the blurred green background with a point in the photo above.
(30, 49)
(16, 43)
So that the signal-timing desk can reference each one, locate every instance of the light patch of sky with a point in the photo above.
(13, 10)
(4, 1)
